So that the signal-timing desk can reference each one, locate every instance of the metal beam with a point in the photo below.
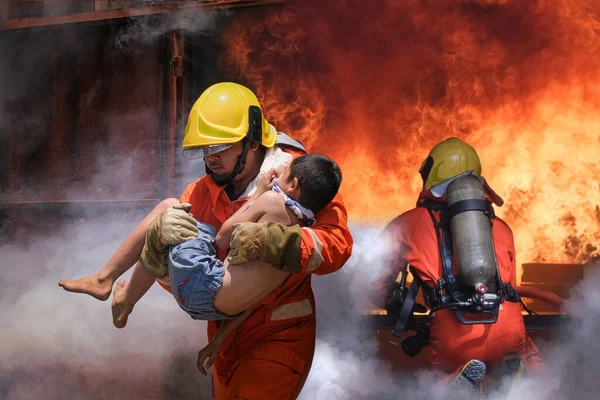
(78, 204)
(102, 14)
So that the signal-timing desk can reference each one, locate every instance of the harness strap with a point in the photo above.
(435, 297)
(447, 280)
(470, 205)
(449, 292)
(405, 313)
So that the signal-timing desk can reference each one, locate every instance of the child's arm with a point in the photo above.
(255, 209)
(266, 208)
(212, 350)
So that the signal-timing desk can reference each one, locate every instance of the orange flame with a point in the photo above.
(376, 87)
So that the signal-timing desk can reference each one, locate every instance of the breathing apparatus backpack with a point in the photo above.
(463, 227)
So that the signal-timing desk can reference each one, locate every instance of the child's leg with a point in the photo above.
(99, 285)
(245, 285)
(128, 294)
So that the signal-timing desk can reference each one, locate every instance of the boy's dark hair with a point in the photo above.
(319, 179)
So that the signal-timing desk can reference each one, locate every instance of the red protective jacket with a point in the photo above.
(411, 240)
(282, 329)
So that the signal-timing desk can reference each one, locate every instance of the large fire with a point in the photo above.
(376, 84)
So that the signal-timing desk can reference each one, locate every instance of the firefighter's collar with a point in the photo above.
(441, 188)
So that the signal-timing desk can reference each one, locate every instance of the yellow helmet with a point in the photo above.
(225, 114)
(448, 159)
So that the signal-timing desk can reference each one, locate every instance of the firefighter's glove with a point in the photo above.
(271, 242)
(172, 227)
(176, 225)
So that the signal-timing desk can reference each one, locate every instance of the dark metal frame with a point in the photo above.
(100, 11)
(546, 322)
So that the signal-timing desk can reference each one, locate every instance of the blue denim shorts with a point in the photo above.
(196, 273)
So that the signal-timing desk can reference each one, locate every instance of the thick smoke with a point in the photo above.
(62, 345)
(347, 364)
(58, 344)
(62, 92)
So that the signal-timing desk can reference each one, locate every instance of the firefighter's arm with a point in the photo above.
(393, 263)
(186, 196)
(326, 246)
(173, 226)
(321, 249)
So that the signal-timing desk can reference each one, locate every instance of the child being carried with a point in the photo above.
(204, 286)
(208, 289)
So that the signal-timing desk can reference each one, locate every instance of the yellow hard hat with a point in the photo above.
(223, 115)
(448, 159)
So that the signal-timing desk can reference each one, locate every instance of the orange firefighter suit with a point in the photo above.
(412, 240)
(270, 354)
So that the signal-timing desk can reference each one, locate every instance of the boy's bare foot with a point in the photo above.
(120, 309)
(92, 285)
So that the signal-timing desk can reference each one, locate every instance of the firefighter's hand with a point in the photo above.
(271, 242)
(187, 207)
(209, 354)
(173, 226)
(247, 241)
(176, 225)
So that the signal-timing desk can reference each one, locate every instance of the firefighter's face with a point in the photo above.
(224, 162)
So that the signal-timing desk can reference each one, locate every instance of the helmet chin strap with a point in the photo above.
(226, 179)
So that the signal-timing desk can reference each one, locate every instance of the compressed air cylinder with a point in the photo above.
(472, 240)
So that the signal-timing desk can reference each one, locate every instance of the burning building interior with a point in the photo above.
(95, 97)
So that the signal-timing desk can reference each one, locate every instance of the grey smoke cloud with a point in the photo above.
(57, 343)
(63, 345)
(33, 66)
(346, 365)
(148, 30)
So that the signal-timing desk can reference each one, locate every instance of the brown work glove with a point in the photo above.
(271, 242)
(173, 226)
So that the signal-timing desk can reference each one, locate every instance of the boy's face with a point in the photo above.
(282, 181)
(287, 185)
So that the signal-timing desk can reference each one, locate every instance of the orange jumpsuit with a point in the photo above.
(412, 240)
(270, 354)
